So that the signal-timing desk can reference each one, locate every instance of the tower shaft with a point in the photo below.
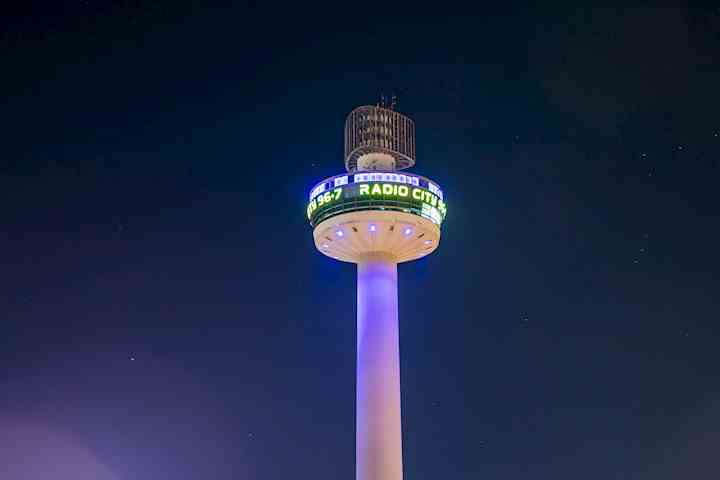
(379, 434)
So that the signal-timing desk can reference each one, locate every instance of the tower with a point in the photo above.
(376, 217)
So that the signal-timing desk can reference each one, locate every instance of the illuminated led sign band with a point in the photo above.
(402, 178)
(376, 196)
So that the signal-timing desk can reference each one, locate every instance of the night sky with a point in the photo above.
(163, 311)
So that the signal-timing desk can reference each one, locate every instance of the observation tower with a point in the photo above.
(377, 217)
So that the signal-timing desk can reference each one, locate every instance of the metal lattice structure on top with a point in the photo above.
(378, 130)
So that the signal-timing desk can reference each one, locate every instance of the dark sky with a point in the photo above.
(165, 315)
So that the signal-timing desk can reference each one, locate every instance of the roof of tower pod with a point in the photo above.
(377, 129)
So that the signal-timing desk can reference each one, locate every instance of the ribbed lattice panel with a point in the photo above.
(371, 129)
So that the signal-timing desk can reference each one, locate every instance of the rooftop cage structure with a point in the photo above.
(378, 138)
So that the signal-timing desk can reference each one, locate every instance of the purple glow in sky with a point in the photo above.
(30, 450)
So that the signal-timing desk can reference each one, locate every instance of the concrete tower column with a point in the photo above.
(379, 433)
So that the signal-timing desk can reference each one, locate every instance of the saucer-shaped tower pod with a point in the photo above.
(373, 208)
(376, 216)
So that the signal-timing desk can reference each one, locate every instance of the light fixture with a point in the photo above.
(339, 233)
(408, 231)
(373, 228)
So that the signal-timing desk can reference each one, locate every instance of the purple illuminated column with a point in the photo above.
(379, 436)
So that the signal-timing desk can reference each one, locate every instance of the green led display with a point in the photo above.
(376, 196)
